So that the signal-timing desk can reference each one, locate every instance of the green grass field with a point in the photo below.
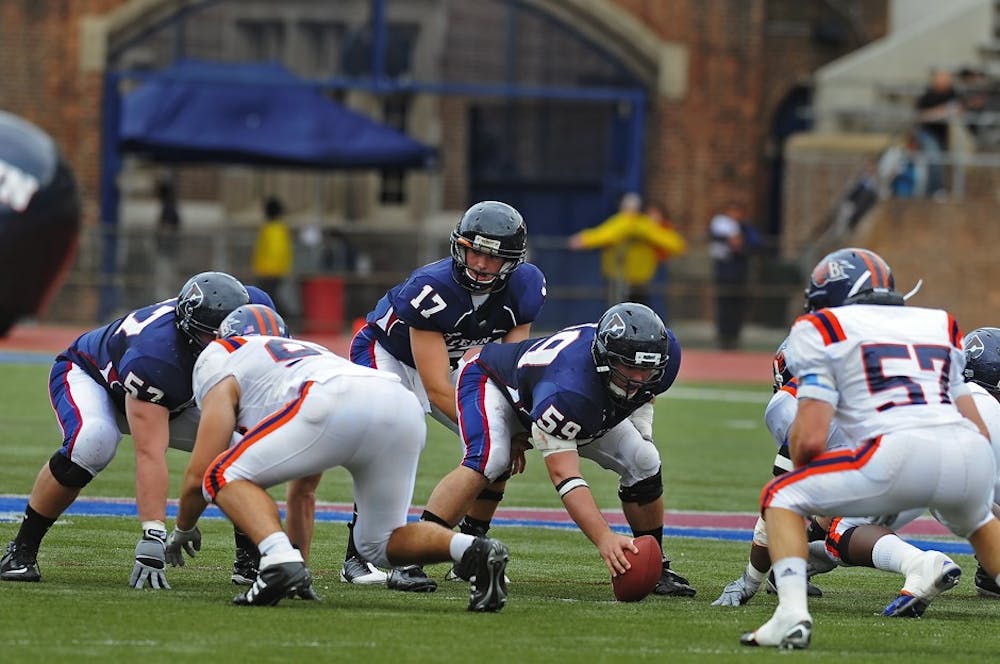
(716, 456)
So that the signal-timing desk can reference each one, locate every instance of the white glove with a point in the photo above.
(188, 540)
(150, 564)
(738, 592)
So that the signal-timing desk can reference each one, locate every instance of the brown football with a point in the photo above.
(647, 565)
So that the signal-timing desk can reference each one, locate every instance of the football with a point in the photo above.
(646, 568)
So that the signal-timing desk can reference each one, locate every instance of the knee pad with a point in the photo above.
(644, 491)
(840, 544)
(760, 533)
(782, 461)
(489, 494)
(68, 473)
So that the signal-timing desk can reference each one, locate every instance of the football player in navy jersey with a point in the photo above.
(132, 375)
(585, 391)
(419, 330)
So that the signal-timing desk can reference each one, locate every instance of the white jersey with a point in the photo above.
(884, 368)
(780, 412)
(989, 410)
(270, 371)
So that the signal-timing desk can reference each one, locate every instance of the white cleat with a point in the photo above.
(781, 631)
(361, 572)
(931, 574)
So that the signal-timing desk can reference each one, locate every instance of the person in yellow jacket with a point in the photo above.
(633, 244)
(273, 252)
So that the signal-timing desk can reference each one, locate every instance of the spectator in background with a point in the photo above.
(731, 240)
(935, 108)
(272, 254)
(630, 241)
(658, 213)
(167, 229)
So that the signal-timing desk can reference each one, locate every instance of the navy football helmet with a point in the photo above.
(779, 367)
(39, 219)
(204, 301)
(253, 319)
(493, 228)
(851, 276)
(632, 335)
(982, 358)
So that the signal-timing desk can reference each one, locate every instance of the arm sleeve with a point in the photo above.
(210, 368)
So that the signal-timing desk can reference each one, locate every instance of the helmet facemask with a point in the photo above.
(631, 335)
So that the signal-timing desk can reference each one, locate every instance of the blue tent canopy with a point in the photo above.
(255, 114)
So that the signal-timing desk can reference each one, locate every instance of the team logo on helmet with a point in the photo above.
(615, 327)
(192, 298)
(833, 270)
(975, 347)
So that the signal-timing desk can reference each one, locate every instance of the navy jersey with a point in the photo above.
(431, 299)
(142, 354)
(554, 381)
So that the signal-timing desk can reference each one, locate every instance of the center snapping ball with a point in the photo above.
(641, 578)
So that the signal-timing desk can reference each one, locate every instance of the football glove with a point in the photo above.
(149, 561)
(738, 592)
(188, 540)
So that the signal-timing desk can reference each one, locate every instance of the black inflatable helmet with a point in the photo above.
(633, 335)
(982, 358)
(204, 302)
(253, 319)
(493, 228)
(851, 276)
(39, 219)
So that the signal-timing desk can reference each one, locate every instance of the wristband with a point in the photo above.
(569, 484)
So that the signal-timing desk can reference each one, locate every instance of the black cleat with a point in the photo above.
(488, 590)
(811, 589)
(19, 564)
(672, 584)
(986, 585)
(245, 566)
(276, 581)
(411, 579)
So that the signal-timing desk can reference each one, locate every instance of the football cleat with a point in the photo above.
(19, 564)
(672, 584)
(787, 633)
(488, 590)
(283, 575)
(460, 573)
(359, 571)
(986, 585)
(410, 579)
(245, 566)
(929, 575)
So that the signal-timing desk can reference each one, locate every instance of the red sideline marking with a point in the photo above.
(924, 526)
(697, 365)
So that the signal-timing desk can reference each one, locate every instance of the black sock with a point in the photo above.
(243, 542)
(474, 527)
(658, 534)
(33, 529)
(352, 550)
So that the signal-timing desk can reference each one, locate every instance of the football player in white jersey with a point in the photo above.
(982, 371)
(853, 541)
(891, 377)
(304, 410)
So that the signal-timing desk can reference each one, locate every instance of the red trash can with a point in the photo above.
(323, 305)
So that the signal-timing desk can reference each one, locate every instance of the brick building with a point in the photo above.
(723, 83)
